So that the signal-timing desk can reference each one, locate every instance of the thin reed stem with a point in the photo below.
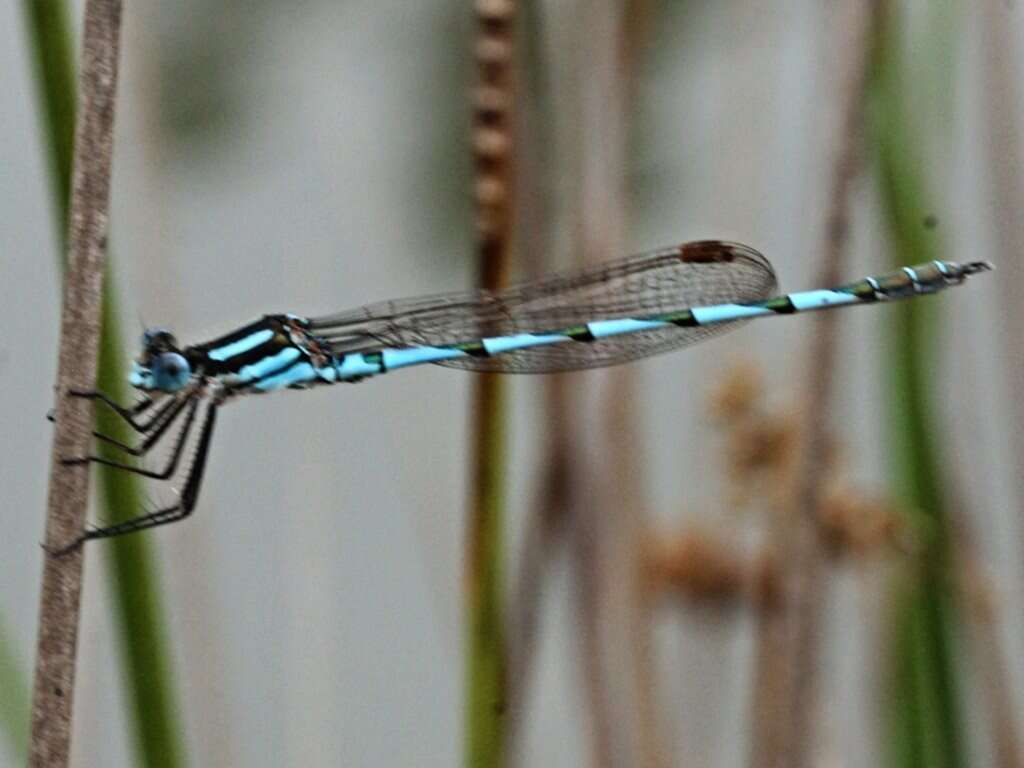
(549, 510)
(50, 36)
(53, 694)
(494, 162)
(133, 574)
(14, 706)
(1005, 156)
(608, 507)
(1003, 150)
(790, 635)
(987, 650)
(924, 718)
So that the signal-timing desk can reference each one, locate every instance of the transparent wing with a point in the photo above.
(668, 280)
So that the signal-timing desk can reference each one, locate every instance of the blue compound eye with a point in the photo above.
(170, 371)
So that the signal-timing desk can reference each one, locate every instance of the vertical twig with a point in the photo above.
(544, 536)
(493, 149)
(14, 701)
(55, 74)
(80, 329)
(1005, 157)
(789, 634)
(608, 511)
(132, 572)
(987, 651)
(566, 495)
(924, 714)
(549, 509)
(637, 24)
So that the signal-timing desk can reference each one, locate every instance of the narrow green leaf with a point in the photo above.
(14, 701)
(134, 579)
(485, 695)
(926, 729)
(53, 59)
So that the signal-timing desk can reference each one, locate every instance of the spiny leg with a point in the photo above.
(172, 463)
(173, 513)
(141, 406)
(154, 436)
(128, 414)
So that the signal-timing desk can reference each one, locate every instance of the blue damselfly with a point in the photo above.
(609, 314)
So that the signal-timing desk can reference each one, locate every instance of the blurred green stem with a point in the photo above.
(14, 702)
(157, 731)
(51, 48)
(493, 144)
(927, 730)
(486, 653)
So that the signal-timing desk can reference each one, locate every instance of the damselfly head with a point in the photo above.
(157, 340)
(160, 366)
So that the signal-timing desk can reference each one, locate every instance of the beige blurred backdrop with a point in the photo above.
(312, 156)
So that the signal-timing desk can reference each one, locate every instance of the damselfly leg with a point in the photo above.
(170, 514)
(140, 407)
(128, 414)
(189, 405)
(152, 436)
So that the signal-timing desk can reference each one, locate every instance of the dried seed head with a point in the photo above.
(739, 394)
(859, 526)
(696, 565)
(495, 11)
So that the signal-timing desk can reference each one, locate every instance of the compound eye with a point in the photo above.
(170, 371)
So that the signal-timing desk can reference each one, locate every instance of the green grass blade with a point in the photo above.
(53, 59)
(157, 732)
(924, 720)
(486, 637)
(485, 674)
(134, 581)
(14, 701)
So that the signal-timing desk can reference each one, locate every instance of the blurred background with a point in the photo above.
(704, 560)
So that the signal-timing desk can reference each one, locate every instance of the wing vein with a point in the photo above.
(658, 282)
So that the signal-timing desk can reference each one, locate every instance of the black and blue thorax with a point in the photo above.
(274, 352)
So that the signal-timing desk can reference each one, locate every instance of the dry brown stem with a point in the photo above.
(612, 619)
(789, 639)
(80, 330)
(978, 595)
(999, 47)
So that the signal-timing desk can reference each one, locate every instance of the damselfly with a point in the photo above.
(613, 313)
